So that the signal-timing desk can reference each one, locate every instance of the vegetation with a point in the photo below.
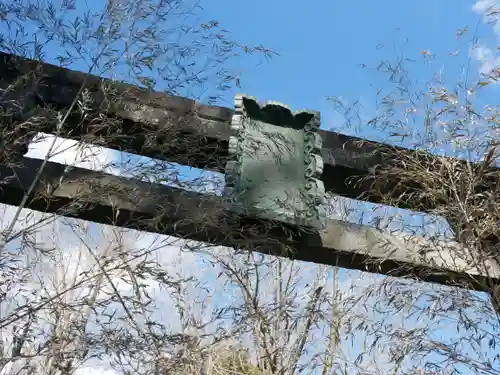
(453, 176)
(76, 295)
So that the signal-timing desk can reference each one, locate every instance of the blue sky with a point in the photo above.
(323, 47)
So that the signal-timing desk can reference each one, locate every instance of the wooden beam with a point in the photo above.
(147, 119)
(146, 114)
(108, 199)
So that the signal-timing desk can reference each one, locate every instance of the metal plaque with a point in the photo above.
(275, 163)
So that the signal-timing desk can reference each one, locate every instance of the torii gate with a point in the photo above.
(315, 161)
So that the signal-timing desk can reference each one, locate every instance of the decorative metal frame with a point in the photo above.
(288, 184)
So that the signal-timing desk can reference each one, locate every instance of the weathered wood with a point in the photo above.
(147, 119)
(108, 199)
(146, 113)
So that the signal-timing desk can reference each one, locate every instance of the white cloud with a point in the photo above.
(485, 8)
(487, 56)
(481, 6)
(66, 151)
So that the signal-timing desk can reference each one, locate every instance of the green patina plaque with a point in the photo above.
(275, 163)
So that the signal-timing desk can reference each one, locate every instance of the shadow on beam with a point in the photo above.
(112, 200)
